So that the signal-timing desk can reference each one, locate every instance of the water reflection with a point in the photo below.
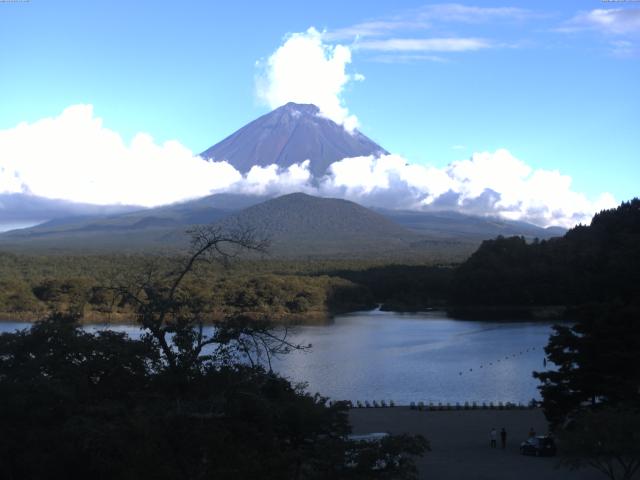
(411, 357)
(420, 357)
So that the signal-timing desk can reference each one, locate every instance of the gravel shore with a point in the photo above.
(461, 446)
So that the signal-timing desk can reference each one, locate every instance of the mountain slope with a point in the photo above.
(21, 210)
(300, 224)
(459, 226)
(297, 225)
(151, 228)
(291, 134)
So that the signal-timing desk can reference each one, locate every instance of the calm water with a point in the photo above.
(413, 357)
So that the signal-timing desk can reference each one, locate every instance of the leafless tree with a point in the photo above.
(174, 317)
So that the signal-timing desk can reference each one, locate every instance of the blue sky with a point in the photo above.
(554, 83)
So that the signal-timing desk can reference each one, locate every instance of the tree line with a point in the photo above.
(178, 403)
(592, 395)
(598, 263)
(288, 291)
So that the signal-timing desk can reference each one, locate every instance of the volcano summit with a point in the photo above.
(292, 134)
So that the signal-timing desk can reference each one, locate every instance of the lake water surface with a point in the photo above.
(413, 357)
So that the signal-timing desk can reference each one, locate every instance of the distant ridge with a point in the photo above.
(298, 223)
(456, 225)
(291, 134)
(24, 209)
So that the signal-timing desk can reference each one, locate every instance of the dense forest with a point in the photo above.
(177, 403)
(592, 396)
(163, 390)
(288, 291)
(599, 263)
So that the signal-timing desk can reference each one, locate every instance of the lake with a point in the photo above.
(412, 357)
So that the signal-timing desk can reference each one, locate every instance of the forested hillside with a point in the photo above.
(596, 263)
(31, 287)
(286, 291)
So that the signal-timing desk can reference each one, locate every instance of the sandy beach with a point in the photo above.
(460, 443)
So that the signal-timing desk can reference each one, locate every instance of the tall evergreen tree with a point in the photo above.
(597, 362)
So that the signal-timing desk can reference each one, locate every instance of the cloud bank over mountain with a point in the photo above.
(304, 69)
(488, 183)
(74, 157)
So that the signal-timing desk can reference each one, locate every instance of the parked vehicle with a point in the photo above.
(369, 443)
(368, 437)
(540, 446)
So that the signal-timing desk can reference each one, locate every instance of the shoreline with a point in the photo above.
(460, 447)
(120, 318)
(325, 317)
(508, 312)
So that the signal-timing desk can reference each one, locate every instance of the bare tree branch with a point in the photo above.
(173, 316)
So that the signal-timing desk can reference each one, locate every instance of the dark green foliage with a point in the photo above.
(80, 405)
(605, 439)
(64, 294)
(497, 273)
(385, 458)
(597, 362)
(599, 263)
(287, 291)
(290, 294)
(176, 404)
(16, 296)
(62, 392)
(593, 395)
(403, 287)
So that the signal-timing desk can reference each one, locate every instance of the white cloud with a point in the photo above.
(272, 180)
(427, 17)
(624, 49)
(455, 12)
(407, 58)
(618, 21)
(74, 157)
(372, 29)
(304, 69)
(401, 37)
(424, 44)
(386, 181)
(620, 27)
(489, 183)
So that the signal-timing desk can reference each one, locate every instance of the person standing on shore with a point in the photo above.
(503, 438)
(493, 436)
